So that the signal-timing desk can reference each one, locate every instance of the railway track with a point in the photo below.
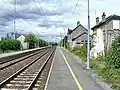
(12, 62)
(10, 58)
(27, 78)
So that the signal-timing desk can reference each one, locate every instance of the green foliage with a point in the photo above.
(10, 44)
(67, 46)
(42, 43)
(108, 65)
(52, 44)
(31, 39)
(81, 52)
(113, 56)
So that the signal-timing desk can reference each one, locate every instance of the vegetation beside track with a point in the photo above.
(7, 45)
(81, 52)
(10, 45)
(107, 65)
(33, 41)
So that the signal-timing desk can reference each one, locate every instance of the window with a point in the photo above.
(78, 43)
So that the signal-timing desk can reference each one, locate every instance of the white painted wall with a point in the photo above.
(73, 44)
(22, 39)
(116, 24)
(99, 45)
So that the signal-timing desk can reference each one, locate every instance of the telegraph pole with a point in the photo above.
(88, 46)
(14, 17)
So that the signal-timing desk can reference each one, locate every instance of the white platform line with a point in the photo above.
(72, 73)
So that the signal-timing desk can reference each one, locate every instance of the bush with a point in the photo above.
(42, 43)
(31, 39)
(67, 46)
(10, 44)
(113, 56)
(81, 52)
(108, 65)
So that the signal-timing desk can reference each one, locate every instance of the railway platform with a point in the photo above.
(67, 74)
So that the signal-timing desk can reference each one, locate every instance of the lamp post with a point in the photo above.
(88, 46)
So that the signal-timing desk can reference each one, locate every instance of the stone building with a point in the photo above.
(104, 33)
(78, 36)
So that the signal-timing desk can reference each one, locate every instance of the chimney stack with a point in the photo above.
(78, 23)
(97, 20)
(103, 17)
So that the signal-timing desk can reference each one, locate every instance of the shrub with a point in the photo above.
(10, 44)
(81, 52)
(67, 46)
(31, 39)
(108, 65)
(113, 56)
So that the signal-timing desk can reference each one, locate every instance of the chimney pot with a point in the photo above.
(97, 20)
(78, 23)
(103, 17)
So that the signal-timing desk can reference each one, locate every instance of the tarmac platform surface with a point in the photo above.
(68, 74)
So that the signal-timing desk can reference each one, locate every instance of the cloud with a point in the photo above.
(54, 16)
(19, 2)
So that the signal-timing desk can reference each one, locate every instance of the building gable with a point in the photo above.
(107, 20)
(78, 31)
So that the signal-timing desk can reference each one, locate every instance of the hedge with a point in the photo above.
(10, 44)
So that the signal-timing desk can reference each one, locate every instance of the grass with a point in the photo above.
(103, 65)
(111, 76)
(81, 52)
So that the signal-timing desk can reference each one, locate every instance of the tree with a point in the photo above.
(42, 43)
(31, 39)
(52, 43)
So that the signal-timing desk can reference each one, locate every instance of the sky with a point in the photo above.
(50, 19)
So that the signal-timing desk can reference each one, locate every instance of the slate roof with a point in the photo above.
(70, 30)
(80, 36)
(108, 19)
(77, 27)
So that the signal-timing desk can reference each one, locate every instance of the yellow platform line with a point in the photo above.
(71, 71)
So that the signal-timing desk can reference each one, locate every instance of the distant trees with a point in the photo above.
(33, 41)
(42, 43)
(52, 43)
(8, 44)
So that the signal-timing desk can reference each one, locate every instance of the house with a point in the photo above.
(78, 36)
(104, 33)
(22, 40)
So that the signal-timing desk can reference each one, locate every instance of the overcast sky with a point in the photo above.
(54, 15)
